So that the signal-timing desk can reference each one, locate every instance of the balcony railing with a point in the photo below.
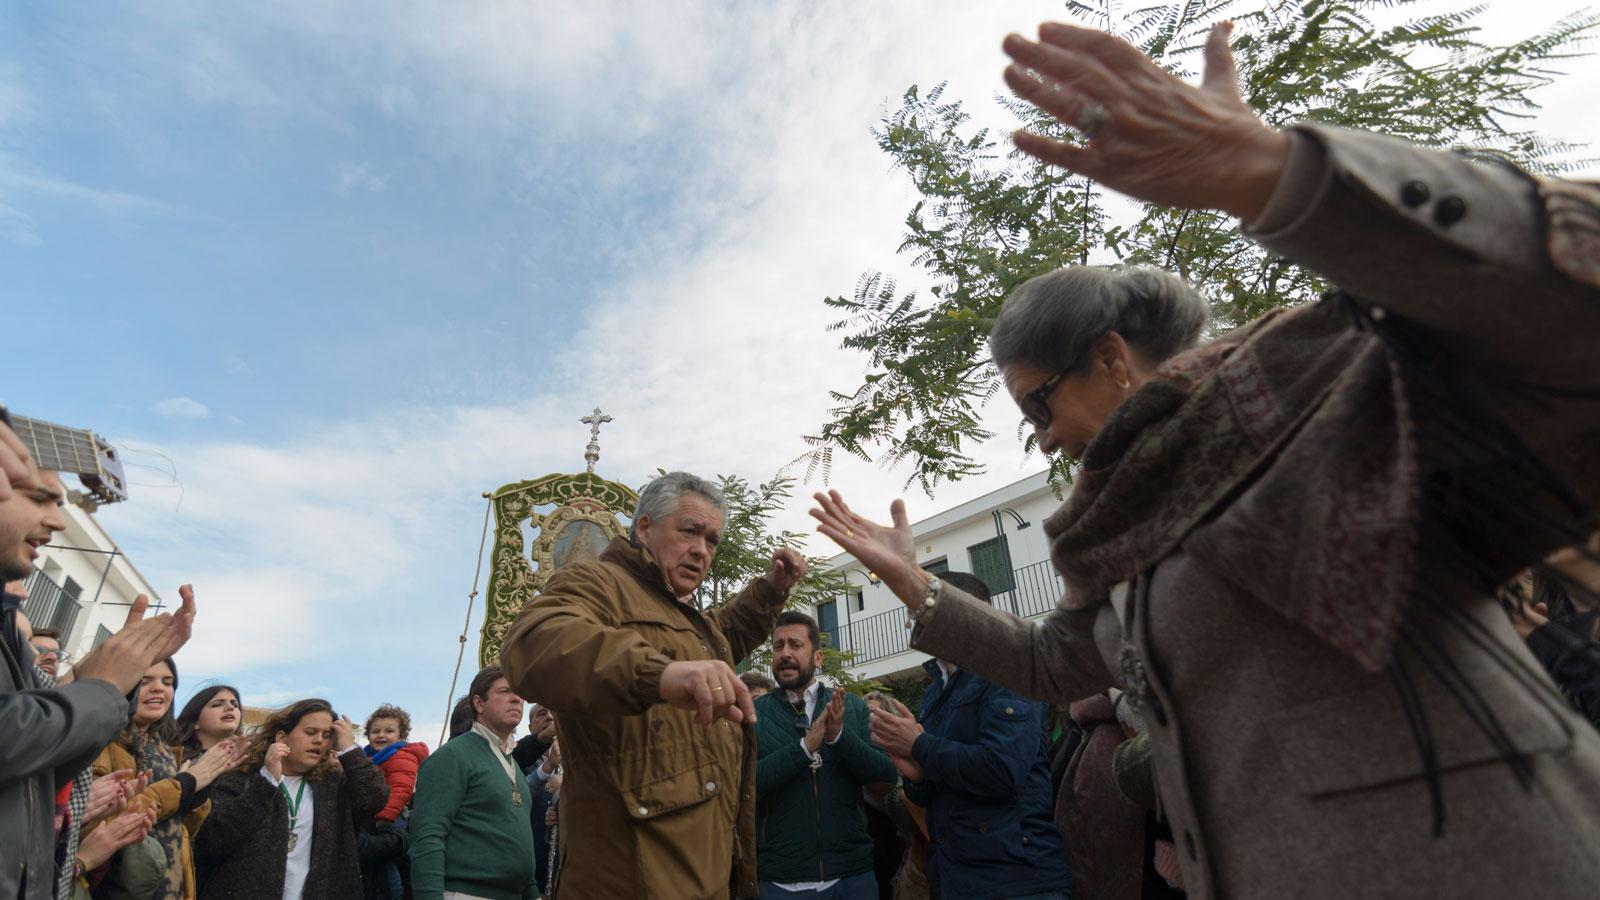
(49, 606)
(1035, 592)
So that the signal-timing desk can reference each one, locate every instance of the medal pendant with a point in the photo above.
(293, 839)
(516, 797)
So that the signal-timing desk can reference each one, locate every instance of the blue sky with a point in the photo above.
(347, 267)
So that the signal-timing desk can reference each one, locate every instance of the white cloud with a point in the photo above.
(708, 346)
(353, 177)
(180, 408)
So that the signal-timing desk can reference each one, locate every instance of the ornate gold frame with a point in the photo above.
(513, 579)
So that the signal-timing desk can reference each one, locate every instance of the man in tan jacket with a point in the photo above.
(659, 793)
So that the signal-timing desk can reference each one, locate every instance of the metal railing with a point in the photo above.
(1036, 589)
(49, 606)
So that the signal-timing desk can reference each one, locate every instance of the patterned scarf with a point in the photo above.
(152, 754)
(1309, 455)
(77, 805)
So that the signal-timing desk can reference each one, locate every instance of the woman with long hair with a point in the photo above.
(283, 823)
(178, 782)
(210, 717)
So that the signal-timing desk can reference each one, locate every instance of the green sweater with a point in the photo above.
(809, 824)
(467, 834)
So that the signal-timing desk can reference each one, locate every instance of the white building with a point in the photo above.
(999, 537)
(83, 584)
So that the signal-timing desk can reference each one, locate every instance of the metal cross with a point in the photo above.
(591, 453)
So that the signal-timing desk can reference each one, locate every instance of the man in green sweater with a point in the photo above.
(814, 758)
(472, 813)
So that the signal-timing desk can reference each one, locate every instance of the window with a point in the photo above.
(828, 622)
(991, 562)
(937, 567)
(861, 601)
(100, 635)
(71, 588)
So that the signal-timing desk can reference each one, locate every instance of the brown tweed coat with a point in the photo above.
(1308, 653)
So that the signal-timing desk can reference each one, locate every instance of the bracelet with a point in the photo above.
(929, 601)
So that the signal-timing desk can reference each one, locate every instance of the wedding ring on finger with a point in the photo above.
(1092, 117)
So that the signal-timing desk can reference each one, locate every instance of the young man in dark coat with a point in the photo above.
(813, 761)
(975, 758)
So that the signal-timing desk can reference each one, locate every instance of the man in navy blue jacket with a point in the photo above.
(975, 759)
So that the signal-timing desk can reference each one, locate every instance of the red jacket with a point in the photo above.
(400, 771)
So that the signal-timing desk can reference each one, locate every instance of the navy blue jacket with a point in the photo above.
(986, 787)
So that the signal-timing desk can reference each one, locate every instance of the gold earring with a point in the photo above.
(1122, 384)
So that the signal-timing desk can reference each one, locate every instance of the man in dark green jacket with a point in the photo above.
(814, 759)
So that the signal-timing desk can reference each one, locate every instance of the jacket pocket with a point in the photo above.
(679, 845)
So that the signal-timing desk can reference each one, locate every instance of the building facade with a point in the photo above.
(83, 584)
(999, 537)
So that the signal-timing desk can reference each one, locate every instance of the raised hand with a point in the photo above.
(788, 567)
(709, 687)
(124, 657)
(834, 716)
(816, 733)
(106, 795)
(1149, 135)
(344, 734)
(894, 733)
(222, 756)
(888, 550)
(273, 762)
(15, 463)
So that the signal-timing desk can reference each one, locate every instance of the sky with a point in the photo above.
(326, 272)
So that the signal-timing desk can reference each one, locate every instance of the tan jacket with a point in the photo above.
(162, 796)
(1284, 767)
(653, 803)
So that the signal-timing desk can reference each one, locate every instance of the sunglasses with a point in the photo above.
(1035, 404)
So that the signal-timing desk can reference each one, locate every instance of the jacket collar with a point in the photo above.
(639, 563)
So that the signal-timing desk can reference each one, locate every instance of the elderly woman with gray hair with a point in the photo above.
(1284, 543)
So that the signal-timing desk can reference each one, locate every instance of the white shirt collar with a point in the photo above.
(483, 731)
(810, 697)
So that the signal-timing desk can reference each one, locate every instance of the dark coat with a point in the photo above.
(809, 824)
(986, 787)
(242, 847)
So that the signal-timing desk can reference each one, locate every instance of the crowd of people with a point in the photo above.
(1328, 630)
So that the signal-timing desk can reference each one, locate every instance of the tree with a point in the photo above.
(745, 553)
(989, 218)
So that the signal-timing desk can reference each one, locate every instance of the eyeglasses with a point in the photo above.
(42, 651)
(1035, 404)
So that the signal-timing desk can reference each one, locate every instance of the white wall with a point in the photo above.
(83, 552)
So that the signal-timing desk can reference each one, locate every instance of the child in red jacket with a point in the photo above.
(387, 729)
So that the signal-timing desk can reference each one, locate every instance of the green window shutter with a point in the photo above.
(991, 562)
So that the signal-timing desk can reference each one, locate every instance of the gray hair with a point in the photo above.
(1051, 321)
(660, 497)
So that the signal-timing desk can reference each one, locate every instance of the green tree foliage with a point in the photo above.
(745, 554)
(989, 218)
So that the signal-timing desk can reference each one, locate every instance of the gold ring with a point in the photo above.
(717, 688)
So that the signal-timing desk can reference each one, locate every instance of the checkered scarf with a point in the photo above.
(77, 805)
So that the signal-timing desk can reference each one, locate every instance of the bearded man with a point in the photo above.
(659, 791)
(815, 758)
